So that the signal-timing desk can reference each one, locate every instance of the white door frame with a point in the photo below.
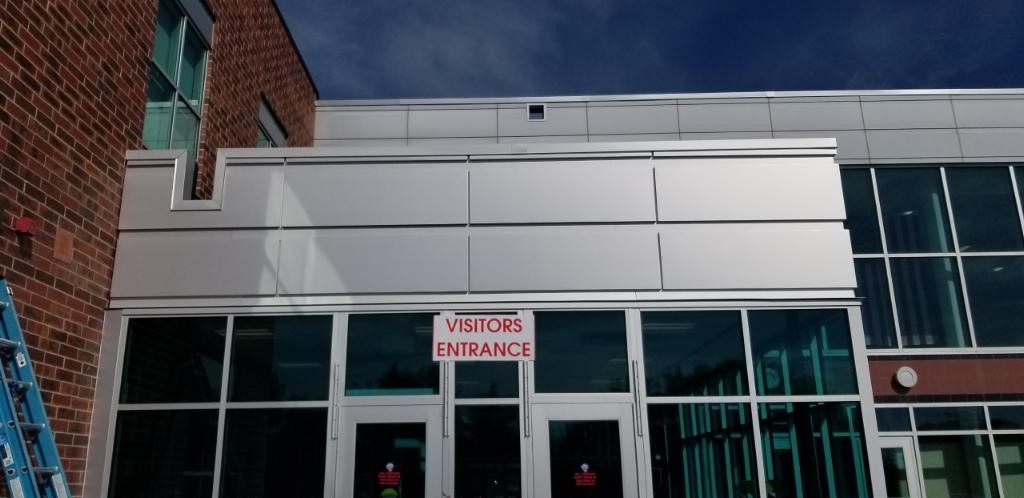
(913, 469)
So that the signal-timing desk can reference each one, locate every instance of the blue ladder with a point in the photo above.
(27, 436)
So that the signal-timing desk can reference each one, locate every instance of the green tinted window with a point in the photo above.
(1010, 457)
(694, 353)
(169, 24)
(957, 466)
(802, 352)
(185, 134)
(193, 67)
(156, 130)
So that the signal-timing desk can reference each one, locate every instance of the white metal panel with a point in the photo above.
(731, 189)
(361, 124)
(543, 139)
(905, 114)
(904, 144)
(989, 113)
(804, 116)
(454, 140)
(726, 135)
(252, 198)
(203, 263)
(785, 256)
(375, 194)
(430, 123)
(564, 259)
(557, 121)
(358, 142)
(724, 117)
(852, 144)
(562, 192)
(642, 137)
(992, 142)
(635, 119)
(348, 262)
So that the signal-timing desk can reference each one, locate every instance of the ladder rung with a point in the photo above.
(31, 430)
(8, 346)
(44, 472)
(19, 387)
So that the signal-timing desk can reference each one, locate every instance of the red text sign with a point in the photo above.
(389, 478)
(585, 479)
(483, 337)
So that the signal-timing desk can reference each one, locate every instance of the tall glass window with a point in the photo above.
(984, 209)
(861, 216)
(591, 345)
(487, 461)
(954, 466)
(389, 354)
(930, 302)
(176, 76)
(694, 353)
(802, 352)
(914, 210)
(876, 309)
(1010, 455)
(995, 286)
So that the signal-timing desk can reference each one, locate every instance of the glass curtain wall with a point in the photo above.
(939, 254)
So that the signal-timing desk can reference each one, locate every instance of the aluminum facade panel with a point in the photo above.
(424, 123)
(799, 116)
(737, 190)
(453, 140)
(992, 142)
(727, 135)
(908, 114)
(562, 192)
(544, 139)
(852, 144)
(989, 113)
(558, 121)
(756, 257)
(361, 124)
(643, 137)
(358, 142)
(724, 117)
(640, 119)
(373, 262)
(906, 144)
(375, 194)
(564, 259)
(204, 263)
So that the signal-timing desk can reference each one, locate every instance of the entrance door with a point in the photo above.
(390, 452)
(584, 451)
(899, 464)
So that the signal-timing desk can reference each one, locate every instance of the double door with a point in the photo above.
(566, 449)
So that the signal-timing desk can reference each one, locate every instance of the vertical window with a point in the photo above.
(876, 309)
(269, 133)
(1010, 455)
(176, 75)
(914, 210)
(984, 209)
(487, 461)
(861, 216)
(930, 303)
(995, 286)
(802, 352)
(957, 466)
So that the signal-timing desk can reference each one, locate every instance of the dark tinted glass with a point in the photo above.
(164, 454)
(487, 459)
(403, 448)
(171, 360)
(1010, 458)
(168, 37)
(814, 449)
(581, 352)
(280, 358)
(486, 379)
(1006, 417)
(579, 448)
(956, 466)
(390, 354)
(193, 65)
(984, 209)
(894, 466)
(265, 451)
(702, 450)
(996, 290)
(929, 302)
(893, 419)
(913, 210)
(861, 216)
(876, 309)
(694, 353)
(949, 418)
(802, 352)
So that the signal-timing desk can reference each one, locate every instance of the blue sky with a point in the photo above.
(495, 48)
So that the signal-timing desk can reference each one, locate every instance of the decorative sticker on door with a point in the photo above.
(390, 481)
(585, 478)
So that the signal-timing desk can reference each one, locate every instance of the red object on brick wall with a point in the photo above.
(959, 376)
(25, 226)
(73, 78)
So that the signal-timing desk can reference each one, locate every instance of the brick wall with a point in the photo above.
(950, 378)
(72, 100)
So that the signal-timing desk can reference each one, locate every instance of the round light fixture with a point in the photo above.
(906, 377)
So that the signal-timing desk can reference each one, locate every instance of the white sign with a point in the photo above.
(483, 337)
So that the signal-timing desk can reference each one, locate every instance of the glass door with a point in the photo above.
(584, 451)
(899, 464)
(390, 452)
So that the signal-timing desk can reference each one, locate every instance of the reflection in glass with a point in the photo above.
(913, 210)
(193, 65)
(185, 133)
(585, 447)
(404, 447)
(995, 286)
(694, 353)
(389, 354)
(280, 358)
(168, 37)
(929, 302)
(955, 466)
(487, 460)
(861, 216)
(984, 209)
(894, 466)
(1006, 417)
(173, 360)
(581, 352)
(814, 449)
(803, 351)
(262, 451)
(876, 309)
(893, 419)
(702, 450)
(486, 379)
(165, 453)
(1010, 457)
(949, 418)
(156, 129)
